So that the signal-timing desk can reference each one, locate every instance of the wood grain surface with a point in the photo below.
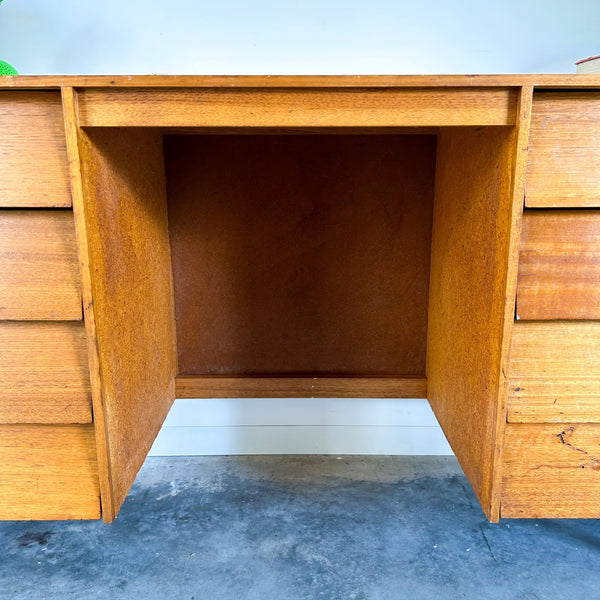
(331, 131)
(554, 372)
(126, 224)
(318, 107)
(38, 261)
(69, 101)
(32, 151)
(559, 265)
(301, 387)
(301, 255)
(564, 150)
(579, 80)
(517, 193)
(470, 246)
(44, 374)
(48, 472)
(551, 471)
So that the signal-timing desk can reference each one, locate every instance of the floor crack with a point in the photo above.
(487, 543)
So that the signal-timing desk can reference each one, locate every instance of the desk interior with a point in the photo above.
(319, 265)
(300, 255)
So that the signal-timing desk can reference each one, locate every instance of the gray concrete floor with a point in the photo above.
(301, 527)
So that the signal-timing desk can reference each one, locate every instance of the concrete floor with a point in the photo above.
(303, 527)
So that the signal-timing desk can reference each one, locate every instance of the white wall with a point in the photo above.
(295, 37)
(298, 36)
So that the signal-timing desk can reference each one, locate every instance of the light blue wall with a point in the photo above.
(302, 36)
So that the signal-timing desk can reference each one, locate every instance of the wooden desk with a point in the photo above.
(166, 237)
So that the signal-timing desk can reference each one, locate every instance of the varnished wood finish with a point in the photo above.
(48, 472)
(551, 471)
(38, 263)
(564, 151)
(554, 372)
(512, 264)
(255, 107)
(126, 224)
(300, 81)
(32, 153)
(301, 387)
(559, 266)
(469, 256)
(44, 373)
(290, 253)
(69, 100)
(473, 366)
(352, 131)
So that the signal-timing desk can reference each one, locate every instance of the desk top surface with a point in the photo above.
(300, 81)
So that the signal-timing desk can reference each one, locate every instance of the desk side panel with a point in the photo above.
(126, 224)
(471, 228)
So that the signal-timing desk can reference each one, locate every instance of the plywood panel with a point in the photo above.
(301, 255)
(470, 253)
(559, 266)
(301, 387)
(126, 224)
(32, 151)
(551, 471)
(554, 372)
(564, 150)
(254, 107)
(44, 374)
(48, 472)
(38, 261)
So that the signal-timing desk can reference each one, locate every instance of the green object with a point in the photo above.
(6, 69)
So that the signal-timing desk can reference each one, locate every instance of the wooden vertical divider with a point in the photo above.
(122, 211)
(466, 305)
(69, 102)
(477, 211)
(519, 169)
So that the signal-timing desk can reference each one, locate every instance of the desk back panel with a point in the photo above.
(301, 254)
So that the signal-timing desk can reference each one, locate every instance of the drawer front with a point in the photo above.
(559, 265)
(48, 472)
(33, 151)
(39, 266)
(44, 375)
(563, 167)
(551, 471)
(554, 372)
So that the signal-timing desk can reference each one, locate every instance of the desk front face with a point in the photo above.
(48, 463)
(292, 241)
